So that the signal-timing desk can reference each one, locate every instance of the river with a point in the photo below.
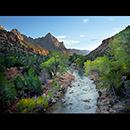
(80, 97)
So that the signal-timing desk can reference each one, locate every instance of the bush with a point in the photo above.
(32, 105)
(32, 82)
(10, 61)
(7, 92)
(26, 104)
(111, 102)
(19, 83)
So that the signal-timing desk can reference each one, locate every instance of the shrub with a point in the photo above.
(25, 105)
(32, 82)
(32, 105)
(7, 92)
(10, 61)
(111, 102)
(19, 83)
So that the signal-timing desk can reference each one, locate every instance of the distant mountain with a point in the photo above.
(80, 52)
(49, 42)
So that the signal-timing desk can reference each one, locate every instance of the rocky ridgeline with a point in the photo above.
(103, 47)
(8, 36)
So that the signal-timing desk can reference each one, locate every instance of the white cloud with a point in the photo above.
(81, 35)
(70, 42)
(85, 20)
(62, 36)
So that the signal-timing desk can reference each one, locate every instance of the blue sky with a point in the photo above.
(80, 32)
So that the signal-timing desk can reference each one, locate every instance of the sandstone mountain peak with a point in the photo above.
(16, 32)
(48, 42)
(1, 27)
(48, 34)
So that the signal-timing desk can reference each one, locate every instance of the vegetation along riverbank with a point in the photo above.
(33, 78)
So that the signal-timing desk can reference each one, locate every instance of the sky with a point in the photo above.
(79, 32)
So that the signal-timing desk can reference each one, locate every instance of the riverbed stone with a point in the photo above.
(70, 103)
(85, 100)
(53, 100)
(71, 92)
(63, 100)
(87, 107)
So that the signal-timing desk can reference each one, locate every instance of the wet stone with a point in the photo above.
(86, 100)
(70, 103)
(87, 107)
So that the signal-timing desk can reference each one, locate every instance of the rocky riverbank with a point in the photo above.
(80, 97)
(106, 100)
(57, 91)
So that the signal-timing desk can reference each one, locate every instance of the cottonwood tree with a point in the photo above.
(58, 62)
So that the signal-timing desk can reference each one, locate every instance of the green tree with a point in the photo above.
(58, 62)
(80, 61)
(73, 57)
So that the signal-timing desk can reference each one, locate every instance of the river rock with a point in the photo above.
(53, 100)
(87, 107)
(63, 100)
(86, 100)
(71, 92)
(70, 86)
(70, 103)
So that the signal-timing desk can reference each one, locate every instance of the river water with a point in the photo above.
(80, 97)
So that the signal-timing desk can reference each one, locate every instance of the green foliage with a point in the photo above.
(113, 67)
(102, 64)
(32, 105)
(58, 62)
(32, 60)
(25, 105)
(32, 82)
(19, 83)
(127, 108)
(7, 92)
(73, 58)
(80, 61)
(55, 82)
(111, 102)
